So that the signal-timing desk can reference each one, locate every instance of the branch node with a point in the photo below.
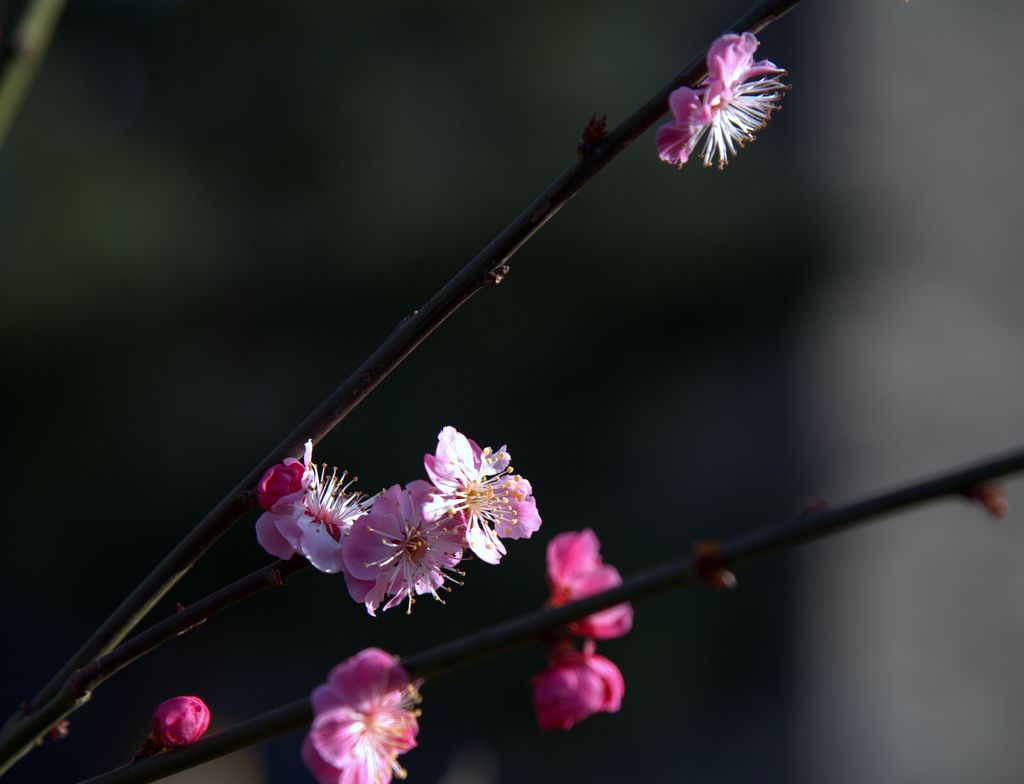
(150, 748)
(540, 212)
(200, 622)
(73, 685)
(593, 132)
(709, 563)
(991, 497)
(814, 505)
(58, 731)
(498, 274)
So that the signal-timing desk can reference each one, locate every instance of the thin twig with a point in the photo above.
(741, 551)
(185, 619)
(405, 338)
(287, 718)
(21, 51)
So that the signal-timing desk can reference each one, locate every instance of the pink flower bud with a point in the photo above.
(574, 686)
(281, 480)
(180, 721)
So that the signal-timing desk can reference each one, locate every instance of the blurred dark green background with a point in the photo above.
(213, 211)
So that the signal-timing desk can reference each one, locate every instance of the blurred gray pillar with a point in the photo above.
(911, 664)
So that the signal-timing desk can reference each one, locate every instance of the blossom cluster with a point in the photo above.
(578, 684)
(365, 715)
(402, 542)
(726, 106)
(407, 541)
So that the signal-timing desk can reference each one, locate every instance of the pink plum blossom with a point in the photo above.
(477, 488)
(392, 551)
(727, 106)
(180, 721)
(314, 519)
(363, 719)
(574, 686)
(575, 570)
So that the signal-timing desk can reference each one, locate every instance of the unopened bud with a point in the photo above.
(180, 721)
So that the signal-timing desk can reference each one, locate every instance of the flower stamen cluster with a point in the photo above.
(484, 499)
(331, 505)
(727, 106)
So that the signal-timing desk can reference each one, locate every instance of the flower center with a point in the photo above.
(328, 502)
(386, 733)
(479, 497)
(414, 542)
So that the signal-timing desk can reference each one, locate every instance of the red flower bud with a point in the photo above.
(280, 480)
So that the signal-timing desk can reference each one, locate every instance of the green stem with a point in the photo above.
(24, 49)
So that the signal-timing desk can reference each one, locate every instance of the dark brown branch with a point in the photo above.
(810, 526)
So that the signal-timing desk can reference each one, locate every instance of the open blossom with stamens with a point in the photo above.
(575, 570)
(727, 106)
(477, 487)
(392, 551)
(312, 520)
(364, 717)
